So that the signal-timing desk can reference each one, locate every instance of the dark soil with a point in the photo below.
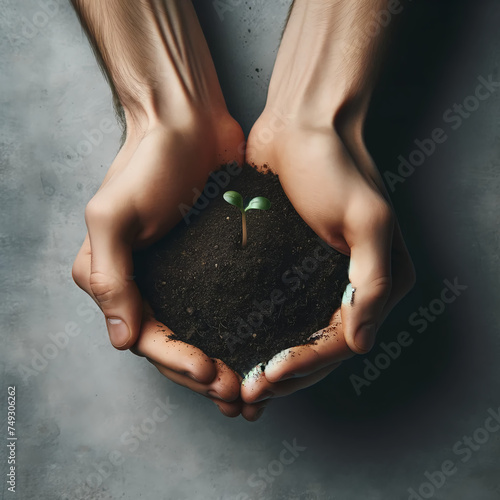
(242, 305)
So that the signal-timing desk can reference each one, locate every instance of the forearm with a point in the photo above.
(155, 57)
(328, 59)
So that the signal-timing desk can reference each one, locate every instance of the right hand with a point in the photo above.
(138, 203)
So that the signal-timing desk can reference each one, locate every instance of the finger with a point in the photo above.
(328, 346)
(369, 234)
(250, 412)
(403, 271)
(111, 275)
(81, 268)
(157, 342)
(230, 410)
(253, 412)
(224, 387)
(259, 389)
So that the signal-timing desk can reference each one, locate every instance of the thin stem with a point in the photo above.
(244, 228)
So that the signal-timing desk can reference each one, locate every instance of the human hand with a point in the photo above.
(311, 135)
(137, 204)
(334, 185)
(166, 89)
(179, 362)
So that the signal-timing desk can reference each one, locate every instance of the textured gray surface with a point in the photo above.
(80, 404)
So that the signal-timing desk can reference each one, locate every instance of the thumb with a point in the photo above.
(112, 282)
(368, 290)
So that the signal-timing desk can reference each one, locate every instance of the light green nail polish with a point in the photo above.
(254, 374)
(277, 358)
(348, 297)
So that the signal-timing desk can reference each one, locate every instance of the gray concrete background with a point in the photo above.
(78, 404)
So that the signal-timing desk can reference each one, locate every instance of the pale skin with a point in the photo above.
(179, 129)
(322, 83)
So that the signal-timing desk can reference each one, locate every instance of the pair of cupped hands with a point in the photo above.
(333, 184)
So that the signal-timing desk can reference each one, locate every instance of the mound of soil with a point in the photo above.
(242, 305)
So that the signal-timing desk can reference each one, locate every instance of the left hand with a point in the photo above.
(338, 192)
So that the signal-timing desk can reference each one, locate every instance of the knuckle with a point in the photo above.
(382, 287)
(79, 273)
(335, 240)
(381, 212)
(106, 289)
(370, 212)
(99, 211)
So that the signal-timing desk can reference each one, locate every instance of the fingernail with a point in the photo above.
(365, 337)
(254, 373)
(278, 358)
(119, 332)
(348, 297)
(259, 414)
(265, 395)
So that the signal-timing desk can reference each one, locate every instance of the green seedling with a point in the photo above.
(258, 203)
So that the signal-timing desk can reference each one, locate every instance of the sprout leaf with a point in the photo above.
(234, 198)
(258, 203)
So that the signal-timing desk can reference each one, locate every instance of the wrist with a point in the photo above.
(326, 65)
(344, 115)
(151, 111)
(211, 130)
(156, 59)
(168, 106)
